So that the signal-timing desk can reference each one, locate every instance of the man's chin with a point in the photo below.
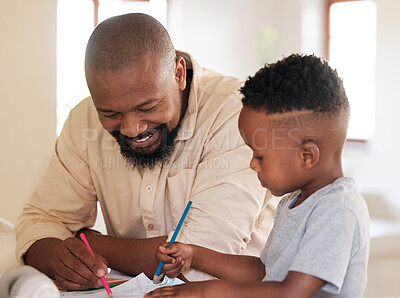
(158, 150)
(143, 161)
(148, 157)
(145, 151)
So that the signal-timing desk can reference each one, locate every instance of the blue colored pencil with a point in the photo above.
(160, 266)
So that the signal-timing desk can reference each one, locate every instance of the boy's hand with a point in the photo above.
(177, 257)
(190, 290)
(206, 289)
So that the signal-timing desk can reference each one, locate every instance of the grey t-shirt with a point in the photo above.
(326, 236)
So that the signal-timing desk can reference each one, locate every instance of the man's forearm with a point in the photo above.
(131, 256)
(38, 255)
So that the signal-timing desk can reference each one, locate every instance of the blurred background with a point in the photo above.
(42, 78)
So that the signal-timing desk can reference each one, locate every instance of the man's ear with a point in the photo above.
(309, 155)
(180, 72)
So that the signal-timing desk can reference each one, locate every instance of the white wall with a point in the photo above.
(376, 166)
(28, 97)
(235, 37)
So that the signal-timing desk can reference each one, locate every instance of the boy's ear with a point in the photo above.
(309, 154)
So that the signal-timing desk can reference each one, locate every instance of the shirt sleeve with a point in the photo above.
(326, 248)
(66, 180)
(227, 197)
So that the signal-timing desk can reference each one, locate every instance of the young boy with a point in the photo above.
(294, 118)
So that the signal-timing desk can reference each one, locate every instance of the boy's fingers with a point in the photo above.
(173, 247)
(172, 270)
(165, 258)
(161, 248)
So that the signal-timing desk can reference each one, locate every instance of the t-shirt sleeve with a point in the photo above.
(326, 248)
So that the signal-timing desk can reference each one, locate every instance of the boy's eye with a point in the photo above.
(258, 157)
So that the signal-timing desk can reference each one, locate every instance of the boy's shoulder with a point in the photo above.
(341, 200)
(340, 197)
(342, 193)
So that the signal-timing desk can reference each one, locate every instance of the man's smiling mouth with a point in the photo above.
(144, 140)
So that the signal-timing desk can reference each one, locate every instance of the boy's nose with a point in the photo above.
(254, 165)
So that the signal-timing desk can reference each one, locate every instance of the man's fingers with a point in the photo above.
(71, 285)
(72, 269)
(75, 267)
(80, 251)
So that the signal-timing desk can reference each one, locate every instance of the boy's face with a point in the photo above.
(276, 157)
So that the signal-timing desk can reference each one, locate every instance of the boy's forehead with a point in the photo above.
(297, 117)
(259, 127)
(262, 118)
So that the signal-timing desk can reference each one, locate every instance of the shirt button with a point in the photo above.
(150, 226)
(149, 188)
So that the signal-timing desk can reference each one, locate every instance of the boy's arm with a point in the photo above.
(228, 266)
(295, 284)
(225, 266)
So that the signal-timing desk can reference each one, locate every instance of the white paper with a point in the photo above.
(137, 287)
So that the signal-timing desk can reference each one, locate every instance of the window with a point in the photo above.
(351, 49)
(75, 22)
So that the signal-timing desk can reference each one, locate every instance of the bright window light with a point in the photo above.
(352, 51)
(75, 20)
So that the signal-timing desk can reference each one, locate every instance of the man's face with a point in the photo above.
(141, 107)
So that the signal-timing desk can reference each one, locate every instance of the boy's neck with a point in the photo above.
(321, 180)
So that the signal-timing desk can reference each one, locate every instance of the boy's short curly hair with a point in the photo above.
(296, 83)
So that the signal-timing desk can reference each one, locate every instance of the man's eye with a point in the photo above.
(112, 116)
(258, 157)
(147, 110)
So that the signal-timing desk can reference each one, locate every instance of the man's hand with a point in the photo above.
(74, 267)
(177, 257)
(68, 261)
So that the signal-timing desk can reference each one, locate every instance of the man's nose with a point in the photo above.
(132, 126)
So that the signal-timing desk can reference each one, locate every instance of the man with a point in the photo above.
(176, 126)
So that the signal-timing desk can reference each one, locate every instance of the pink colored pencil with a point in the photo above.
(103, 280)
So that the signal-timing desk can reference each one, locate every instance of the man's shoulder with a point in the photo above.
(212, 83)
(217, 84)
(83, 107)
(84, 113)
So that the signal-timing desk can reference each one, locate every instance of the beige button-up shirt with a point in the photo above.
(210, 166)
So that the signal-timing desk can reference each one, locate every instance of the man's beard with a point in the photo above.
(143, 161)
